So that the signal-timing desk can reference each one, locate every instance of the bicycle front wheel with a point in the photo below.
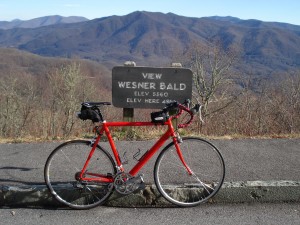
(179, 186)
(63, 167)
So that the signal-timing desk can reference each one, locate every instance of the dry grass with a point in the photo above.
(144, 133)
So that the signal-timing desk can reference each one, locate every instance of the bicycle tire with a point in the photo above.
(65, 162)
(180, 188)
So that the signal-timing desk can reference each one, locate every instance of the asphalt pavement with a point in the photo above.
(247, 161)
(217, 214)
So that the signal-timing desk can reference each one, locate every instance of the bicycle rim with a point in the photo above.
(64, 164)
(184, 189)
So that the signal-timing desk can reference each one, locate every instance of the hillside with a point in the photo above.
(154, 38)
(20, 63)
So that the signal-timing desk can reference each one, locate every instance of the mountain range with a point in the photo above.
(152, 39)
(41, 21)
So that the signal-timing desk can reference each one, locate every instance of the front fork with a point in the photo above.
(177, 141)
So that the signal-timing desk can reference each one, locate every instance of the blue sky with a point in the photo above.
(266, 10)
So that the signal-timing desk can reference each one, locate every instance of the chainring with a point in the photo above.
(125, 184)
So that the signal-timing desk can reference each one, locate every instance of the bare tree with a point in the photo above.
(29, 96)
(212, 80)
(9, 104)
(285, 99)
(18, 98)
(210, 65)
(65, 87)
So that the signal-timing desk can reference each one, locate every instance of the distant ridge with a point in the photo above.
(153, 38)
(41, 21)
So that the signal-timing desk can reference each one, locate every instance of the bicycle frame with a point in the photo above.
(143, 160)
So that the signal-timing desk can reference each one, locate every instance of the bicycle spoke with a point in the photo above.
(68, 159)
(205, 186)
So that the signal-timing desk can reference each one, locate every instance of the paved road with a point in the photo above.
(242, 214)
(246, 160)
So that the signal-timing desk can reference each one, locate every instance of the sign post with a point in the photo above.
(128, 113)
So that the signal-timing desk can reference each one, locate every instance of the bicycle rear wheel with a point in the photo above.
(61, 174)
(184, 189)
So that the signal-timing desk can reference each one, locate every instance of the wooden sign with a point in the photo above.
(150, 87)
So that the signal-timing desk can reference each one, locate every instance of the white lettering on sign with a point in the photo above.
(172, 86)
(134, 100)
(160, 94)
(136, 85)
(152, 101)
(141, 93)
(152, 76)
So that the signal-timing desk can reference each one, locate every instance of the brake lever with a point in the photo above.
(187, 103)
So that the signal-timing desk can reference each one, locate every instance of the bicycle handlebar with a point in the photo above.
(181, 108)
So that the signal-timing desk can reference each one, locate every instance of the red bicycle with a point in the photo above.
(82, 174)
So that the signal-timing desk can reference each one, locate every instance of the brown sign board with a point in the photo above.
(150, 87)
